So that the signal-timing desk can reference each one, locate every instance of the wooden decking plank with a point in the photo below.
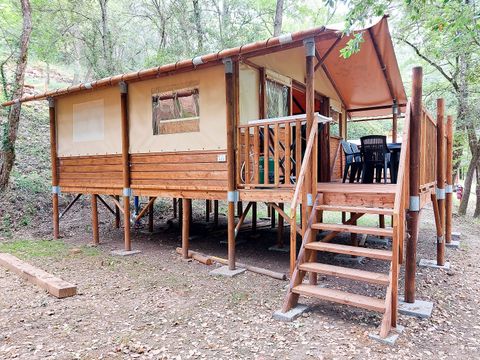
(346, 273)
(54, 285)
(356, 188)
(341, 297)
(350, 250)
(356, 209)
(353, 229)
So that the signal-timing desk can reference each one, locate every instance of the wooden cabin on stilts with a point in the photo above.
(255, 124)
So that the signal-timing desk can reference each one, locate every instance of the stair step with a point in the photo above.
(346, 273)
(356, 209)
(342, 297)
(350, 250)
(354, 229)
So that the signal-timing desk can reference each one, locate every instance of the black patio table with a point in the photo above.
(395, 149)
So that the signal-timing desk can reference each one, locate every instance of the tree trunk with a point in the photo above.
(198, 25)
(462, 209)
(7, 152)
(108, 65)
(277, 23)
(476, 213)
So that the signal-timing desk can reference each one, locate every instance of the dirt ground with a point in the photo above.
(155, 305)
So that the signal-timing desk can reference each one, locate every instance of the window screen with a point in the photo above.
(278, 99)
(176, 112)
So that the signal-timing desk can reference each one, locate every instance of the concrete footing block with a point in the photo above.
(420, 308)
(454, 244)
(125, 252)
(350, 259)
(433, 264)
(225, 271)
(391, 338)
(456, 235)
(291, 314)
(284, 249)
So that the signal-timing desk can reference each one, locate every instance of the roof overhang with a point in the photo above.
(367, 83)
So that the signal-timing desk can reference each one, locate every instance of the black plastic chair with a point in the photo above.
(350, 163)
(376, 158)
(358, 159)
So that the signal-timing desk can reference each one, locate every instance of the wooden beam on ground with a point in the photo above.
(196, 256)
(255, 269)
(70, 205)
(54, 285)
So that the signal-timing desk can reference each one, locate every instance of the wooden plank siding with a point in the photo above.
(337, 158)
(199, 170)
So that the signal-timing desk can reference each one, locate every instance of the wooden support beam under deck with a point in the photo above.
(449, 181)
(441, 174)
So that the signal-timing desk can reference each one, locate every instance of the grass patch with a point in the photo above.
(31, 249)
(28, 249)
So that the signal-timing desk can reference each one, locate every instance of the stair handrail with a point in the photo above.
(303, 170)
(402, 165)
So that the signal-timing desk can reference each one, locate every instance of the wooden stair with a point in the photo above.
(357, 201)
(341, 297)
(346, 273)
(350, 250)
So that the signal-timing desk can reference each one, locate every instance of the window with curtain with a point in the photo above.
(176, 112)
(278, 99)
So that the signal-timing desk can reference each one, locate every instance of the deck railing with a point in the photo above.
(428, 150)
(270, 151)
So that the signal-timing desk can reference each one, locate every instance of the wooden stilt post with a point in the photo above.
(54, 159)
(440, 190)
(186, 226)
(449, 182)
(207, 210)
(180, 212)
(96, 239)
(254, 216)
(232, 195)
(175, 208)
(311, 172)
(239, 208)
(280, 229)
(272, 217)
(215, 213)
(414, 203)
(150, 215)
(127, 192)
(117, 212)
(394, 122)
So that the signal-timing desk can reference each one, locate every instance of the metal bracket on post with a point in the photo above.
(233, 196)
(440, 193)
(448, 189)
(51, 102)
(309, 46)
(228, 65)
(127, 192)
(440, 239)
(414, 204)
(197, 60)
(285, 38)
(56, 189)
(123, 87)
